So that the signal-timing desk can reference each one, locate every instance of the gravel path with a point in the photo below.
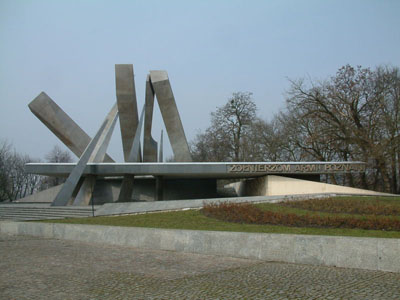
(37, 268)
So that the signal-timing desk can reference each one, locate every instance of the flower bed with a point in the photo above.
(349, 205)
(252, 214)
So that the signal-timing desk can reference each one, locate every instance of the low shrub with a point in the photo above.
(250, 214)
(347, 205)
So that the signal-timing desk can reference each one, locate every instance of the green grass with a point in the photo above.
(195, 220)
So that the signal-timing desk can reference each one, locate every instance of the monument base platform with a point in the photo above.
(106, 190)
(272, 185)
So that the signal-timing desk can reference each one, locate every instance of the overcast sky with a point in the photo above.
(209, 48)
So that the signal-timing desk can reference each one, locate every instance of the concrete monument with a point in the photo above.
(97, 178)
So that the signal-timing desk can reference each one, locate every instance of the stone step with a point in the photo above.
(46, 208)
(14, 214)
(45, 215)
(46, 211)
(30, 212)
(29, 218)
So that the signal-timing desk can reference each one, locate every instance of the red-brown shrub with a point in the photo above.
(250, 214)
(346, 205)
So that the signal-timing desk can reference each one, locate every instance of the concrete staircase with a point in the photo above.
(28, 212)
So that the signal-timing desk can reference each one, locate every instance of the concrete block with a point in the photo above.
(315, 250)
(59, 231)
(277, 247)
(173, 240)
(387, 250)
(8, 227)
(36, 229)
(199, 241)
(246, 245)
(357, 253)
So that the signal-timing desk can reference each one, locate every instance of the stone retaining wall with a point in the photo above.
(348, 252)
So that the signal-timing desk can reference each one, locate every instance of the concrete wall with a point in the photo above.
(347, 252)
(272, 185)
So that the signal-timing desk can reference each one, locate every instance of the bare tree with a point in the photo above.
(5, 179)
(15, 183)
(56, 155)
(230, 128)
(352, 116)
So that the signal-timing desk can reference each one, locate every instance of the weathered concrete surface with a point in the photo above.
(170, 114)
(47, 195)
(86, 190)
(348, 252)
(51, 115)
(102, 137)
(135, 155)
(126, 188)
(161, 151)
(149, 144)
(127, 105)
(128, 180)
(59, 269)
(278, 185)
(182, 169)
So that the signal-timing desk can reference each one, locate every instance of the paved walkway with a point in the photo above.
(37, 268)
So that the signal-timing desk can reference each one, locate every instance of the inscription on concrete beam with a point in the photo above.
(295, 168)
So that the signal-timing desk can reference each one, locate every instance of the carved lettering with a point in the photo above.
(295, 168)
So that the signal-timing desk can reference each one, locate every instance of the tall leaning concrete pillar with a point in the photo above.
(149, 144)
(127, 105)
(51, 115)
(125, 193)
(86, 190)
(161, 151)
(170, 114)
(70, 185)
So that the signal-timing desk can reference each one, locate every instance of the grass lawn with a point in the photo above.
(195, 220)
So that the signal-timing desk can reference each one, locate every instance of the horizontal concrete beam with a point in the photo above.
(347, 252)
(188, 169)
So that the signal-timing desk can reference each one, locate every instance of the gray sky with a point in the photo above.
(209, 48)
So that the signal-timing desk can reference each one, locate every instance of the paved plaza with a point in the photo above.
(38, 268)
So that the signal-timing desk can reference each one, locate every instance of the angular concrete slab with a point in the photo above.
(127, 182)
(170, 114)
(135, 154)
(161, 151)
(69, 187)
(51, 115)
(149, 144)
(127, 105)
(85, 192)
